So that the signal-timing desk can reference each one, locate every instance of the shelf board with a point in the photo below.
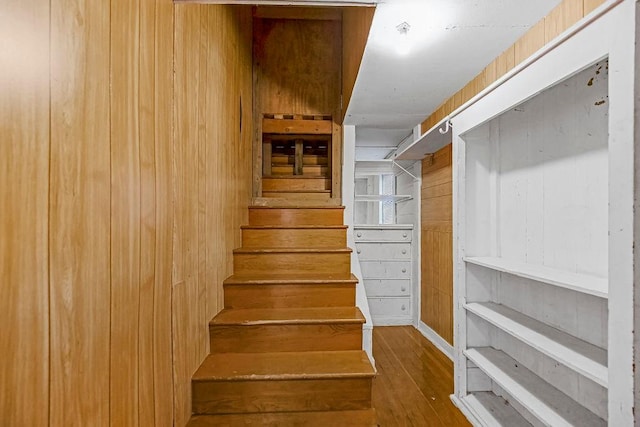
(592, 285)
(584, 358)
(428, 143)
(493, 410)
(543, 401)
(380, 198)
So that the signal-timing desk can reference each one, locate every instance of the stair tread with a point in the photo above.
(294, 227)
(282, 203)
(280, 316)
(285, 278)
(290, 250)
(297, 191)
(285, 206)
(354, 418)
(284, 366)
(324, 178)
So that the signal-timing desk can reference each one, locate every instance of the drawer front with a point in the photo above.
(390, 306)
(386, 269)
(368, 235)
(383, 251)
(388, 287)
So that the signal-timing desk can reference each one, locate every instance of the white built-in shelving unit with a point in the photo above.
(543, 234)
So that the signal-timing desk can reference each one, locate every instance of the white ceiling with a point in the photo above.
(449, 42)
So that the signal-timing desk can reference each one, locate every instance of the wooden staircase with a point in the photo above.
(287, 348)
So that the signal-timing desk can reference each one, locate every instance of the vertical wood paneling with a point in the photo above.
(590, 5)
(437, 244)
(532, 41)
(80, 213)
(163, 127)
(186, 36)
(311, 83)
(148, 209)
(24, 183)
(107, 180)
(567, 13)
(562, 17)
(212, 173)
(125, 212)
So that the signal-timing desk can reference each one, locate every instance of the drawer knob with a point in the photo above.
(403, 289)
(404, 251)
(359, 251)
(404, 270)
(403, 307)
(404, 234)
(359, 234)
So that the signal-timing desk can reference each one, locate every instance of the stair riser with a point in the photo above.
(289, 296)
(292, 263)
(308, 160)
(349, 418)
(289, 216)
(319, 171)
(275, 338)
(297, 196)
(294, 238)
(233, 397)
(285, 184)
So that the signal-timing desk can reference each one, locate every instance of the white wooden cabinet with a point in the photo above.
(543, 235)
(385, 254)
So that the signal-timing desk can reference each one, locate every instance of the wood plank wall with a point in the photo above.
(122, 193)
(356, 24)
(297, 70)
(437, 244)
(563, 16)
(437, 281)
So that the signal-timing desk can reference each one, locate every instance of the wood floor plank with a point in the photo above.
(414, 380)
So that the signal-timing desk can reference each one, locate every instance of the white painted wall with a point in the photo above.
(348, 192)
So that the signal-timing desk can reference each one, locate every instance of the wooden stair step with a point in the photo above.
(308, 171)
(328, 236)
(299, 194)
(288, 316)
(308, 159)
(300, 183)
(295, 215)
(285, 366)
(260, 291)
(321, 260)
(280, 202)
(273, 382)
(354, 418)
(286, 329)
(291, 279)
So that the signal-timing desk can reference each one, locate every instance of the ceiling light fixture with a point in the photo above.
(403, 44)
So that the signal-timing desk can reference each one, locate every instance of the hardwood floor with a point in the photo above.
(414, 381)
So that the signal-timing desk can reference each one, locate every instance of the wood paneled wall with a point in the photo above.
(567, 13)
(122, 190)
(298, 70)
(356, 24)
(437, 258)
(298, 66)
(437, 245)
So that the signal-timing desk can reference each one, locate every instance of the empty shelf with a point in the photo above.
(543, 401)
(584, 283)
(584, 358)
(493, 410)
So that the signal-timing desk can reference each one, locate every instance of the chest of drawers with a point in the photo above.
(385, 255)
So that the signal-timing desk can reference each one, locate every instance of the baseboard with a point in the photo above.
(392, 321)
(466, 411)
(436, 339)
